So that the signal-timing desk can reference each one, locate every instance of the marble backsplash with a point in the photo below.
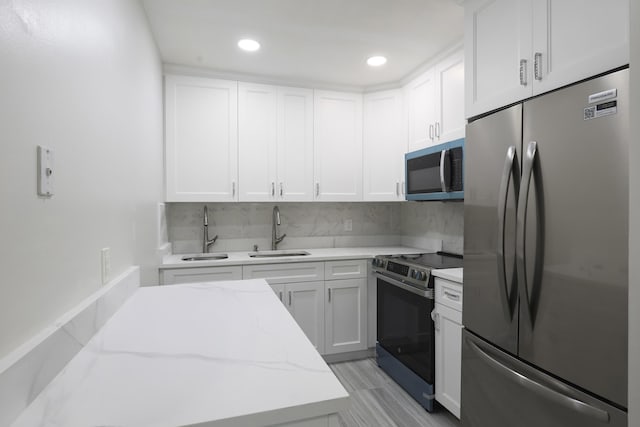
(424, 221)
(240, 226)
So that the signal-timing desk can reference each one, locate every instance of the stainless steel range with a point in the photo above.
(405, 334)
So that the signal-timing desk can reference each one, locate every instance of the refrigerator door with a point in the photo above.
(572, 235)
(492, 175)
(500, 391)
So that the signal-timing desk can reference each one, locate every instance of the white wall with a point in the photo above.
(83, 78)
(634, 226)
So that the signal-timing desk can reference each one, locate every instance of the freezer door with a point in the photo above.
(572, 235)
(500, 391)
(492, 173)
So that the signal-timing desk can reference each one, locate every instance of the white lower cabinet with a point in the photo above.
(305, 302)
(345, 315)
(200, 274)
(345, 306)
(328, 300)
(300, 287)
(448, 333)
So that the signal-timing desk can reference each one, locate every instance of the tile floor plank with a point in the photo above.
(377, 401)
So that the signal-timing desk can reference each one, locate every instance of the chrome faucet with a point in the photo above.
(274, 229)
(206, 242)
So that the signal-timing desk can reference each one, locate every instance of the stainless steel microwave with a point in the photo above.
(436, 173)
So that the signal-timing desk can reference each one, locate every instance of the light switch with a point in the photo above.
(45, 171)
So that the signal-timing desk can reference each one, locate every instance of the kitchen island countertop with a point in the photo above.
(211, 354)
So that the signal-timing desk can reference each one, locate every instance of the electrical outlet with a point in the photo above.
(106, 264)
(348, 225)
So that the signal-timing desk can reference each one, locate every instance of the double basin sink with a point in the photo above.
(258, 254)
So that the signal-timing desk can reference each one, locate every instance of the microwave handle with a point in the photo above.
(445, 170)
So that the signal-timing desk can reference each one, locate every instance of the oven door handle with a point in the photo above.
(425, 294)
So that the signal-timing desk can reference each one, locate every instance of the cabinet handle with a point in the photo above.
(452, 296)
(281, 190)
(438, 130)
(398, 189)
(280, 296)
(431, 132)
(317, 189)
(402, 187)
(233, 189)
(523, 72)
(537, 66)
(289, 298)
(329, 294)
(273, 189)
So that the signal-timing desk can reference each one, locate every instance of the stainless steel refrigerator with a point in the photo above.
(546, 260)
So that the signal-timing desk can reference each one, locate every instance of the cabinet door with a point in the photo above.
(497, 41)
(295, 144)
(346, 315)
(257, 133)
(384, 146)
(201, 143)
(450, 98)
(337, 146)
(448, 357)
(278, 289)
(422, 111)
(306, 304)
(202, 274)
(576, 39)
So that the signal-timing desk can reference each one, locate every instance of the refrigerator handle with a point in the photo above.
(528, 170)
(507, 291)
(542, 390)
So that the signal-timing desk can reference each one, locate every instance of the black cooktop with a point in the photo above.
(431, 260)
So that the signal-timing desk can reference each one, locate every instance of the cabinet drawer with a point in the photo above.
(285, 273)
(449, 293)
(351, 269)
(202, 274)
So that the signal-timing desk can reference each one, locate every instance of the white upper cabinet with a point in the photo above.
(276, 143)
(421, 95)
(295, 144)
(384, 144)
(257, 134)
(520, 48)
(450, 121)
(577, 39)
(498, 41)
(337, 146)
(436, 103)
(201, 140)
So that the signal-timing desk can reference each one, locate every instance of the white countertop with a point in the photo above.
(220, 354)
(322, 254)
(453, 274)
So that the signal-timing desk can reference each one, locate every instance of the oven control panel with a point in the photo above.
(402, 270)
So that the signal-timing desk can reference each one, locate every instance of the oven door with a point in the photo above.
(405, 328)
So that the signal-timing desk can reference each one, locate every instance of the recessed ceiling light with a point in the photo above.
(248, 45)
(376, 61)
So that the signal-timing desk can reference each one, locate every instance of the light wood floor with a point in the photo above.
(377, 401)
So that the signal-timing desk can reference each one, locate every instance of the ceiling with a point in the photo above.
(309, 41)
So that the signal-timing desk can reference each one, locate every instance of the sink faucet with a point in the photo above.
(274, 229)
(206, 242)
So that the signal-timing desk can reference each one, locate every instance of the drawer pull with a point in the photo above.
(452, 296)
